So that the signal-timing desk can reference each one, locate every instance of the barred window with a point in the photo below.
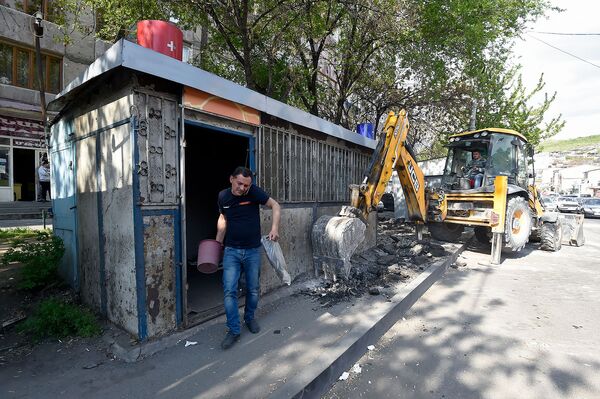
(295, 168)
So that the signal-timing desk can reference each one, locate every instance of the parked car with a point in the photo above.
(569, 204)
(591, 207)
(549, 204)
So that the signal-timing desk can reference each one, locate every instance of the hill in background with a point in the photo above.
(571, 144)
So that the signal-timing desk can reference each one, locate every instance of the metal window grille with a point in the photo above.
(295, 168)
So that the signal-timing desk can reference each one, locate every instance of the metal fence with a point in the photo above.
(295, 168)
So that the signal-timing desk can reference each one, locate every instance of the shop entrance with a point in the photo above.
(210, 157)
(24, 167)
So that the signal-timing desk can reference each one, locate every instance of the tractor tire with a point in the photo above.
(535, 235)
(518, 225)
(551, 236)
(483, 234)
(450, 232)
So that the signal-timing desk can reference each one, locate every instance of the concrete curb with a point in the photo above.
(318, 377)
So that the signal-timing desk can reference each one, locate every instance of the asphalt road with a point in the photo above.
(528, 328)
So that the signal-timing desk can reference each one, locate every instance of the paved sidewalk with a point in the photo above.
(302, 348)
(527, 328)
(36, 224)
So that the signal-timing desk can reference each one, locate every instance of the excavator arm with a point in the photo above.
(393, 153)
(336, 238)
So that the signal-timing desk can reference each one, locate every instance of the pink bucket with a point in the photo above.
(209, 256)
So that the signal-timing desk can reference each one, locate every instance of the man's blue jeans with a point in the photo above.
(234, 261)
(478, 180)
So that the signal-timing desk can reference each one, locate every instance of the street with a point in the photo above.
(527, 328)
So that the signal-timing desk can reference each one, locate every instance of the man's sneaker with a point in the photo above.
(229, 340)
(253, 326)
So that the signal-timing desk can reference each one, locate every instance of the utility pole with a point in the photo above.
(473, 121)
(39, 33)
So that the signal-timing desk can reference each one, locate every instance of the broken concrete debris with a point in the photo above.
(398, 257)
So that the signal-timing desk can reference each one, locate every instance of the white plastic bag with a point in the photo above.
(276, 259)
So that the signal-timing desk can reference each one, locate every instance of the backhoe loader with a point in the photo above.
(505, 210)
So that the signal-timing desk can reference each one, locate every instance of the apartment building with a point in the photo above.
(66, 53)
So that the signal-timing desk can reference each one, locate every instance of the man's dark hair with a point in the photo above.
(240, 170)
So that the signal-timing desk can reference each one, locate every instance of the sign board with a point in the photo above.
(20, 127)
(29, 143)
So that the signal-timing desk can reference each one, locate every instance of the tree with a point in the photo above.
(503, 101)
(350, 61)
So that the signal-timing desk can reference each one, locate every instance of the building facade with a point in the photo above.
(65, 55)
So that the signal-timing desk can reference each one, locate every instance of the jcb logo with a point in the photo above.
(413, 176)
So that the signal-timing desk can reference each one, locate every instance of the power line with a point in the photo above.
(563, 51)
(565, 33)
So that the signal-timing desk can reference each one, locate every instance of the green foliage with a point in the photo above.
(40, 259)
(18, 233)
(572, 144)
(59, 319)
(355, 60)
(506, 103)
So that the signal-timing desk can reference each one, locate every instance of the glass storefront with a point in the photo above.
(22, 147)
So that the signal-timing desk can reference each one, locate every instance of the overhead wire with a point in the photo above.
(563, 51)
(564, 33)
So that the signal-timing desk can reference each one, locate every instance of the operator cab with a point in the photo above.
(503, 151)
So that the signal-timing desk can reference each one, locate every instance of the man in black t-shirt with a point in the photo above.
(238, 228)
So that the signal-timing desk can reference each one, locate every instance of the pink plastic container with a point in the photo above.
(209, 256)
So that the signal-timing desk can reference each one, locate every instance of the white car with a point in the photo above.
(569, 204)
(550, 204)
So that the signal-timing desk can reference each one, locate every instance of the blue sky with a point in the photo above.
(576, 82)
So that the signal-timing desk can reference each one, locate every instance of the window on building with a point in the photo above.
(48, 8)
(6, 64)
(4, 165)
(18, 68)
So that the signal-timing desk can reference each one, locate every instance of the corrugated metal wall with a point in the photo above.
(296, 168)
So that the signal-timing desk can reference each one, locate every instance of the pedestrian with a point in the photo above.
(476, 168)
(238, 229)
(44, 177)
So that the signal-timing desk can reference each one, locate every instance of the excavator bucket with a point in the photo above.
(572, 229)
(334, 241)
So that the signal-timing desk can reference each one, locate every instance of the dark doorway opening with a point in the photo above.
(210, 157)
(24, 174)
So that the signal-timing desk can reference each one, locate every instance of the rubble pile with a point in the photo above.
(398, 257)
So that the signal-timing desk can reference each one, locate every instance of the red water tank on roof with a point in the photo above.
(161, 36)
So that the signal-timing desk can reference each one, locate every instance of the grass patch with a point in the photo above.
(59, 319)
(19, 233)
(40, 259)
(568, 145)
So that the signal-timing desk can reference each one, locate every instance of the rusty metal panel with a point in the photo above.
(155, 149)
(159, 262)
(170, 151)
(157, 133)
(142, 142)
